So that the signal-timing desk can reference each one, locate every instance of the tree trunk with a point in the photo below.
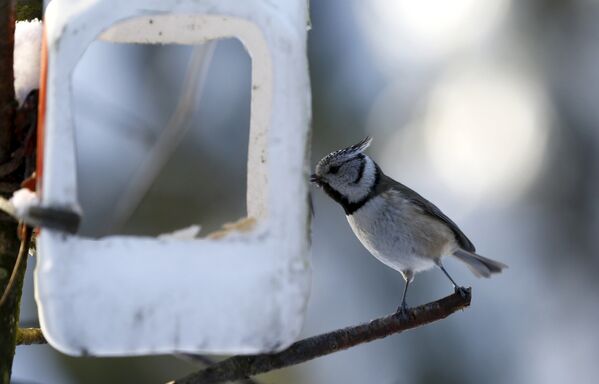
(9, 242)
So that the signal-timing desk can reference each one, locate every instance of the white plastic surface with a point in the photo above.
(243, 293)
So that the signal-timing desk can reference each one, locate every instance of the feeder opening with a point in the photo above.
(162, 136)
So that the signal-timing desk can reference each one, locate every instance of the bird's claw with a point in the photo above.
(402, 311)
(462, 291)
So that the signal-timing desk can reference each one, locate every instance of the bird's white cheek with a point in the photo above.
(356, 193)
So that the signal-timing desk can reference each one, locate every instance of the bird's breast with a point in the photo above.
(397, 234)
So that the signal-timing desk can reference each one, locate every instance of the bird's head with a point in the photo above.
(347, 173)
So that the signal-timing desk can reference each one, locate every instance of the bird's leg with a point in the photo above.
(403, 308)
(458, 289)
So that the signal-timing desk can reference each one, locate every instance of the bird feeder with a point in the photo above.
(244, 291)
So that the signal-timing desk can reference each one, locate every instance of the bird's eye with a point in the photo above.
(334, 169)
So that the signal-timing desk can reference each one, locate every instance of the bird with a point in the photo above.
(395, 224)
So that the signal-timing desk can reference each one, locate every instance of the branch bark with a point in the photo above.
(29, 336)
(11, 286)
(240, 367)
(10, 142)
(207, 361)
(9, 243)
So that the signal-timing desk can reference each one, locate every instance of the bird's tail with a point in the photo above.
(479, 265)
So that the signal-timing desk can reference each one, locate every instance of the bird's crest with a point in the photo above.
(350, 151)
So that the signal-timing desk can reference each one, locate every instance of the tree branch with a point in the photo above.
(239, 367)
(207, 361)
(29, 336)
(9, 242)
(11, 283)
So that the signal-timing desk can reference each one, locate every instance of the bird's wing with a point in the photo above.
(428, 208)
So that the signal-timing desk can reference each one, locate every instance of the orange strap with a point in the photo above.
(41, 112)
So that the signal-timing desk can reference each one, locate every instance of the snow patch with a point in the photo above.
(23, 199)
(28, 41)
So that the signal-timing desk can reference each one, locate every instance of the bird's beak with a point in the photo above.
(314, 178)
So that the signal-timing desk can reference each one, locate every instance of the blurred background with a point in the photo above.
(488, 109)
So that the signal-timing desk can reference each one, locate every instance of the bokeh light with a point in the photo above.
(486, 132)
(480, 135)
(402, 29)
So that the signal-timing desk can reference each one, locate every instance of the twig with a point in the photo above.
(29, 336)
(238, 367)
(58, 218)
(196, 359)
(207, 361)
(20, 257)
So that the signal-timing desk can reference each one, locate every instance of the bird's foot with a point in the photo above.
(462, 291)
(402, 311)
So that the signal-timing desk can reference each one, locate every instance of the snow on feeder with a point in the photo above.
(242, 291)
